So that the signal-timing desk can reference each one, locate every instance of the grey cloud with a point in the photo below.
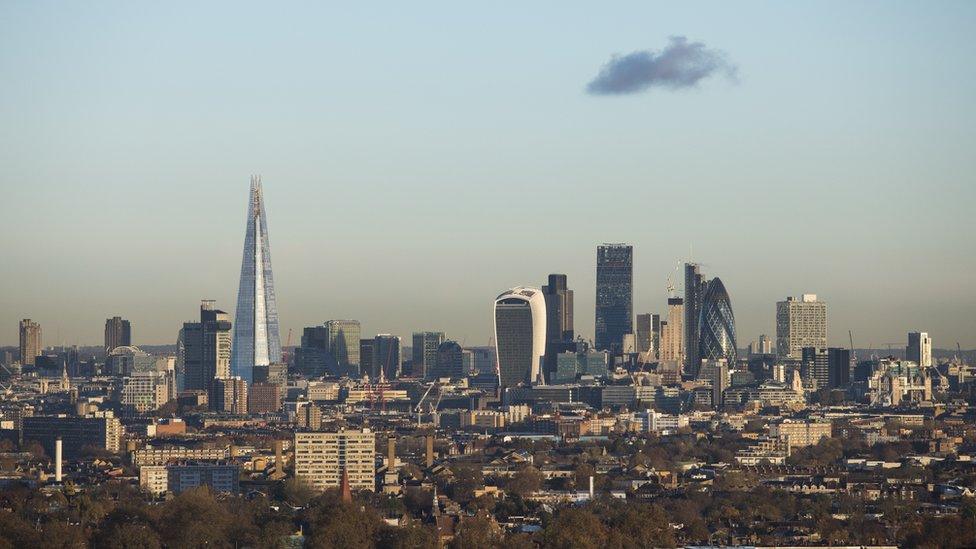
(682, 64)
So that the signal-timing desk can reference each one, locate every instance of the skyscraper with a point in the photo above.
(206, 348)
(694, 288)
(386, 357)
(424, 352)
(118, 333)
(800, 323)
(559, 321)
(716, 325)
(449, 361)
(30, 341)
(645, 335)
(256, 340)
(520, 335)
(672, 331)
(919, 349)
(614, 295)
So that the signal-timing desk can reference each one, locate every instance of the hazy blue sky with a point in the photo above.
(419, 158)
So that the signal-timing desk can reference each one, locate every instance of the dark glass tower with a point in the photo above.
(716, 324)
(694, 290)
(256, 340)
(614, 295)
(559, 321)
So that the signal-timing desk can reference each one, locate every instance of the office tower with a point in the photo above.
(206, 348)
(322, 458)
(330, 349)
(800, 323)
(366, 362)
(763, 347)
(645, 334)
(816, 366)
(919, 349)
(839, 365)
(716, 325)
(559, 321)
(229, 395)
(118, 333)
(30, 341)
(424, 351)
(520, 336)
(343, 344)
(449, 362)
(275, 373)
(256, 340)
(386, 357)
(720, 382)
(694, 290)
(614, 295)
(146, 391)
(672, 332)
(124, 361)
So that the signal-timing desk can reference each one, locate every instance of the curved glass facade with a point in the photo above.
(716, 324)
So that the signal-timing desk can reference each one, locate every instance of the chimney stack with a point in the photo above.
(591, 487)
(279, 459)
(430, 450)
(57, 460)
(390, 452)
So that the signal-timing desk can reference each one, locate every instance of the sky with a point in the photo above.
(420, 158)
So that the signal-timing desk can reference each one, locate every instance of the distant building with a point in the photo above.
(206, 348)
(449, 362)
(672, 332)
(645, 335)
(559, 320)
(520, 335)
(800, 323)
(102, 431)
(321, 458)
(219, 477)
(716, 325)
(256, 339)
(386, 357)
(331, 349)
(424, 352)
(147, 391)
(229, 395)
(831, 368)
(694, 290)
(919, 349)
(801, 433)
(366, 363)
(127, 360)
(614, 295)
(30, 341)
(264, 398)
(118, 332)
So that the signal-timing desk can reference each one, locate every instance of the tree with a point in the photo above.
(194, 519)
(334, 523)
(297, 492)
(478, 531)
(640, 525)
(525, 481)
(573, 528)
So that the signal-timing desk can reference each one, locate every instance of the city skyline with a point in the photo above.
(366, 181)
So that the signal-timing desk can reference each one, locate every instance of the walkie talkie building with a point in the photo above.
(256, 340)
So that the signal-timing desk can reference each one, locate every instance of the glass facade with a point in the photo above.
(513, 321)
(716, 324)
(614, 295)
(256, 340)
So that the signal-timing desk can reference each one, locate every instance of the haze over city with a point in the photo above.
(419, 160)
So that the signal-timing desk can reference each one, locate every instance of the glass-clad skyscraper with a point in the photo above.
(520, 336)
(716, 324)
(614, 295)
(256, 340)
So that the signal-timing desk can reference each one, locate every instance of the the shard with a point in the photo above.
(256, 340)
